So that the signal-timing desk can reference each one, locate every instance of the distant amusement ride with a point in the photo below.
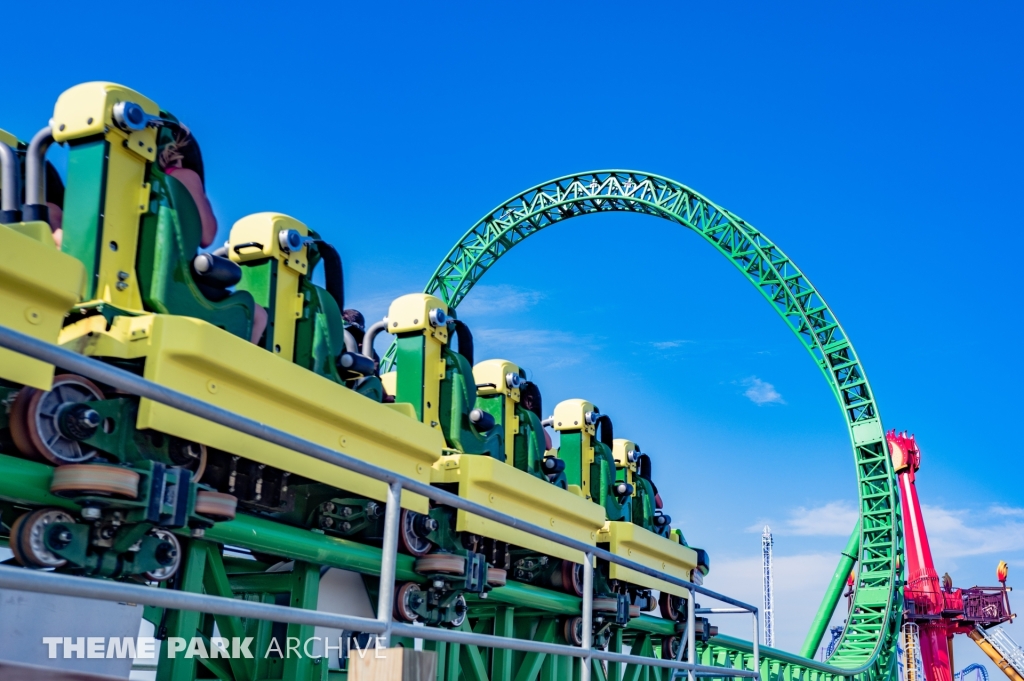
(561, 554)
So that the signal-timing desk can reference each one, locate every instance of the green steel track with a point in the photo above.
(867, 646)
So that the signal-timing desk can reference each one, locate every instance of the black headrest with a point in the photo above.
(529, 397)
(192, 155)
(54, 186)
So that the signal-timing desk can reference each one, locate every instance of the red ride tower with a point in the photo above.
(938, 608)
(925, 600)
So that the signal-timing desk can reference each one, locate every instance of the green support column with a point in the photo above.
(647, 650)
(474, 666)
(184, 623)
(262, 631)
(451, 662)
(615, 646)
(533, 662)
(501, 660)
(304, 594)
(526, 627)
(832, 594)
(557, 667)
(215, 581)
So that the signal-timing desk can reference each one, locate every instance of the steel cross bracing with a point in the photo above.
(869, 637)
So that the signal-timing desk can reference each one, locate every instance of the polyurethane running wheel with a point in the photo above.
(170, 552)
(216, 505)
(573, 631)
(445, 563)
(188, 455)
(669, 647)
(634, 611)
(85, 479)
(572, 578)
(496, 577)
(408, 540)
(404, 609)
(28, 538)
(34, 424)
(461, 611)
(670, 606)
(606, 605)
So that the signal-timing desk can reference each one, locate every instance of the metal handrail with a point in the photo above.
(130, 383)
(106, 590)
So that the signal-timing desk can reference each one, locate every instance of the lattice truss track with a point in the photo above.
(868, 641)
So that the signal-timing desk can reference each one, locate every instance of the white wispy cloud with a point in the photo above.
(954, 533)
(834, 519)
(999, 509)
(669, 344)
(499, 299)
(761, 392)
(535, 348)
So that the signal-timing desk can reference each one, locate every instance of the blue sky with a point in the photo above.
(879, 146)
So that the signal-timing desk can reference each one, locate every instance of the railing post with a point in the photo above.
(756, 644)
(388, 559)
(691, 633)
(587, 613)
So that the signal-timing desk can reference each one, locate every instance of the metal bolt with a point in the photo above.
(347, 511)
(438, 584)
(329, 507)
(91, 513)
(90, 418)
(122, 275)
(64, 536)
(346, 526)
(198, 533)
(120, 286)
(483, 595)
(327, 522)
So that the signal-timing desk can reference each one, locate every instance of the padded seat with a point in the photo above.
(168, 243)
(457, 400)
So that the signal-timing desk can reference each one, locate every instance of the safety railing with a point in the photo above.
(382, 625)
(983, 604)
(987, 604)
